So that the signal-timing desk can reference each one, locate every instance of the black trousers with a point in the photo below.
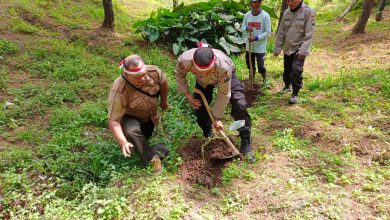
(292, 74)
(138, 133)
(238, 112)
(256, 58)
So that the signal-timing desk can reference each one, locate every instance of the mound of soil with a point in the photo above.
(205, 172)
(251, 95)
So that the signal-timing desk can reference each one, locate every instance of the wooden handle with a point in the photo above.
(229, 143)
(250, 62)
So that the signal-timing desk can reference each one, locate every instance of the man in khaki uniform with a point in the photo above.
(212, 68)
(133, 108)
(295, 35)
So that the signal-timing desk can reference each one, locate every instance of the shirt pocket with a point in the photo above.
(300, 24)
(287, 23)
(136, 103)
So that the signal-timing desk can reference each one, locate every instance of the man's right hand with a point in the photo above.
(126, 149)
(218, 125)
(195, 103)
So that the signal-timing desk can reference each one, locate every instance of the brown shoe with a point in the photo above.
(156, 164)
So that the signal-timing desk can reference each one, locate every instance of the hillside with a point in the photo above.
(326, 158)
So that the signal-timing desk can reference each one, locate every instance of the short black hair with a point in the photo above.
(203, 56)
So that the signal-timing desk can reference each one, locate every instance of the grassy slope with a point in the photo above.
(325, 158)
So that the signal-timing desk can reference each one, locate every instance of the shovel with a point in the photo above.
(235, 152)
(250, 62)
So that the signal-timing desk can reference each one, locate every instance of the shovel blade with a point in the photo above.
(236, 125)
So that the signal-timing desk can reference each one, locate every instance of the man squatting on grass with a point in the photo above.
(257, 22)
(133, 109)
(212, 68)
(295, 35)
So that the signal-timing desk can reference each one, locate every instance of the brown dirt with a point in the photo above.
(208, 172)
(251, 95)
(312, 130)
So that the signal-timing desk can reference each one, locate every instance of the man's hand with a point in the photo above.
(195, 103)
(218, 125)
(301, 57)
(249, 29)
(126, 147)
(164, 105)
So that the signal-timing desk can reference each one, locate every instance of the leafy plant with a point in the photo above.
(3, 78)
(233, 201)
(285, 139)
(215, 22)
(7, 46)
(232, 171)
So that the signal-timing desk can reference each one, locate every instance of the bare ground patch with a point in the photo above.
(199, 166)
(362, 51)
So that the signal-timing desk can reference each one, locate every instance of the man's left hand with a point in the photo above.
(301, 57)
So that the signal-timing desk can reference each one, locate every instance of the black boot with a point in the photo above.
(246, 147)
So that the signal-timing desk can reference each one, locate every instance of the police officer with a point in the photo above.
(295, 35)
(133, 109)
(212, 68)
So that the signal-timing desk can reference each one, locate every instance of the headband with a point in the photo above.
(208, 66)
(133, 71)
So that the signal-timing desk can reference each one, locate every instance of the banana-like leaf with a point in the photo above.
(175, 48)
(228, 47)
(236, 40)
(215, 21)
(230, 29)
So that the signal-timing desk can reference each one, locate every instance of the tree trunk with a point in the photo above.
(353, 3)
(108, 22)
(363, 18)
(175, 3)
(379, 16)
(284, 7)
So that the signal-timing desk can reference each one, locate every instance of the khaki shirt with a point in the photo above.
(219, 76)
(124, 99)
(296, 31)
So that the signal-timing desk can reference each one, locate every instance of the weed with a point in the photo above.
(285, 140)
(233, 202)
(330, 176)
(59, 94)
(232, 171)
(7, 47)
(93, 113)
(3, 79)
(18, 25)
(249, 175)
